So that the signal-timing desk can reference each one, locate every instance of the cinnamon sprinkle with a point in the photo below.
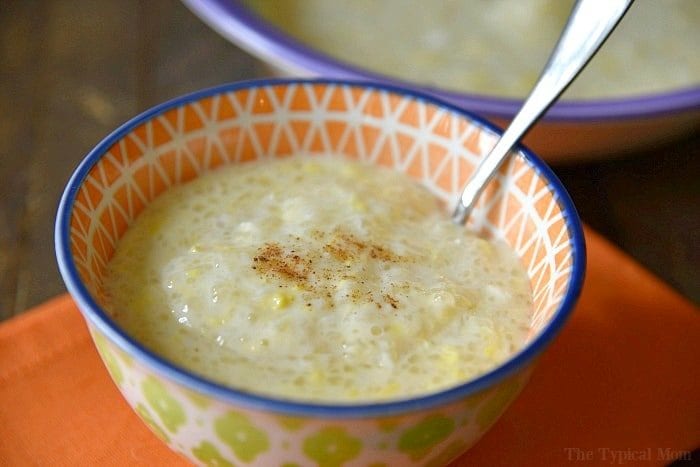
(318, 270)
(272, 260)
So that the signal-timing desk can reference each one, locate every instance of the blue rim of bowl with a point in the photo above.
(237, 23)
(99, 318)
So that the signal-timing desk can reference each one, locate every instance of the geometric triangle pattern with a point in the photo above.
(437, 146)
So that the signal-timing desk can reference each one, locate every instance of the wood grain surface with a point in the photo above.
(73, 70)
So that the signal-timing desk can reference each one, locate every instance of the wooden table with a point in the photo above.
(71, 71)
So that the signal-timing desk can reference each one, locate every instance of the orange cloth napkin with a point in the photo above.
(620, 385)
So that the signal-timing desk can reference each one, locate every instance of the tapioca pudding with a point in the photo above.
(495, 47)
(317, 279)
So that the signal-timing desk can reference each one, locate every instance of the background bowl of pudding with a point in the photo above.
(642, 89)
(434, 142)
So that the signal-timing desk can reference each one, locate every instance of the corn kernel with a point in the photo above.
(312, 167)
(193, 273)
(486, 247)
(281, 300)
(449, 355)
(492, 345)
(155, 224)
(390, 389)
(317, 377)
(358, 205)
(350, 171)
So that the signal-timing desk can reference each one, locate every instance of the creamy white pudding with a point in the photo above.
(495, 47)
(317, 279)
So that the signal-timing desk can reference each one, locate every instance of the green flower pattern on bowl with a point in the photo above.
(151, 423)
(417, 441)
(166, 406)
(109, 359)
(249, 438)
(332, 447)
(208, 455)
(291, 423)
(244, 438)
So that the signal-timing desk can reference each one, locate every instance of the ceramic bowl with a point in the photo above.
(436, 143)
(572, 130)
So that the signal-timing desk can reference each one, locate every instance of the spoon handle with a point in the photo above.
(590, 23)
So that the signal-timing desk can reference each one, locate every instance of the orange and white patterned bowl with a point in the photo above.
(434, 142)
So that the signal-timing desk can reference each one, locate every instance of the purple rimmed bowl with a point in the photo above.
(572, 130)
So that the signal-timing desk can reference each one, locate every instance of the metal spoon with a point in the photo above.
(589, 25)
